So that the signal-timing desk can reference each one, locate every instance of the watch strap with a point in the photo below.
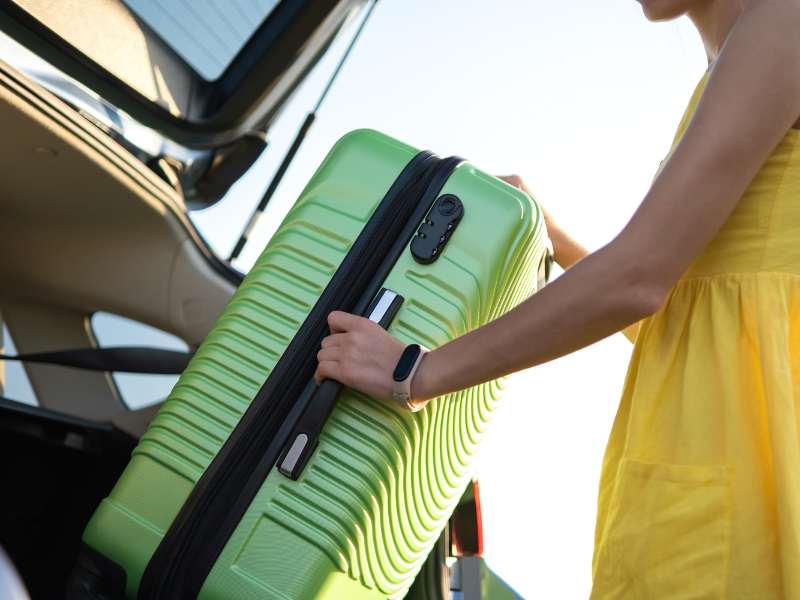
(401, 390)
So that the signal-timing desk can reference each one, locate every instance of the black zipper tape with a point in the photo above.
(217, 503)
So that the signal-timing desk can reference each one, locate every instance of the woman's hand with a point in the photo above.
(359, 354)
(566, 251)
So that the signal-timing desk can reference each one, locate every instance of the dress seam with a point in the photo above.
(737, 273)
(769, 424)
(776, 204)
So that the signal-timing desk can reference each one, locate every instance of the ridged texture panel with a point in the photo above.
(383, 482)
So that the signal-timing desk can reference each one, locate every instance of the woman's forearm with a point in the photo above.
(596, 298)
(569, 253)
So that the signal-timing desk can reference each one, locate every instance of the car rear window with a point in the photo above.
(207, 34)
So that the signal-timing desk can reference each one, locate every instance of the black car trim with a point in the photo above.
(133, 359)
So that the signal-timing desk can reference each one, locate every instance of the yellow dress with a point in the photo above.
(700, 488)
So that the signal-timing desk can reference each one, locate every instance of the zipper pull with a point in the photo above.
(305, 437)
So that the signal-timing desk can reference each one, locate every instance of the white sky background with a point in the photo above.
(582, 98)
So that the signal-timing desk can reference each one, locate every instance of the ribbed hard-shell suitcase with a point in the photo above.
(202, 511)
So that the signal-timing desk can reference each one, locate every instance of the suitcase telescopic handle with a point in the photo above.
(305, 437)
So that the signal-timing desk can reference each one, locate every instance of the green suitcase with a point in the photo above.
(202, 511)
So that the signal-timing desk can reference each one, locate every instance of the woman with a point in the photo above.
(700, 489)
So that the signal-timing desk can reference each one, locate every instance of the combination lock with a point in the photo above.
(435, 232)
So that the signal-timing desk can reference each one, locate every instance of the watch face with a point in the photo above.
(406, 363)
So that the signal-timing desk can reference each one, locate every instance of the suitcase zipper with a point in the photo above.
(217, 503)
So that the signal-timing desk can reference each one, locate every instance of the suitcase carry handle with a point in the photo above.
(305, 437)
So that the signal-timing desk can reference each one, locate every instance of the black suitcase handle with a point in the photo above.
(305, 437)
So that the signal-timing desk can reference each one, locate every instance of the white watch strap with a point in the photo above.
(402, 389)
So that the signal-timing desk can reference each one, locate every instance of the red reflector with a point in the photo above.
(466, 527)
(478, 518)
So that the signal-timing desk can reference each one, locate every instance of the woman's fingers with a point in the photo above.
(514, 180)
(342, 322)
(329, 353)
(328, 357)
(334, 339)
(326, 370)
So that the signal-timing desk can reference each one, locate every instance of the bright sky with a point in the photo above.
(580, 97)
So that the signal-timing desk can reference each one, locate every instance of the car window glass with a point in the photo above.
(16, 385)
(207, 34)
(136, 390)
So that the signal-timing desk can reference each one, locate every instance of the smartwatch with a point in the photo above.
(404, 373)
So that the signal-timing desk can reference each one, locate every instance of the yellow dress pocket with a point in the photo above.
(667, 535)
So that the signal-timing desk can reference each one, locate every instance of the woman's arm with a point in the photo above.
(751, 100)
